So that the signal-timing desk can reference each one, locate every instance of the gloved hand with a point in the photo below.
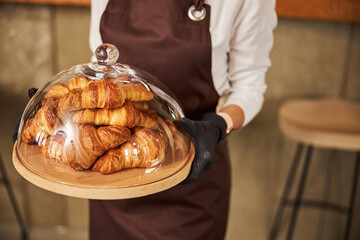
(31, 93)
(206, 133)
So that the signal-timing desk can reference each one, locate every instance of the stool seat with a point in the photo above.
(327, 122)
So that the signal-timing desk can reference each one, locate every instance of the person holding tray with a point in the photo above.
(213, 55)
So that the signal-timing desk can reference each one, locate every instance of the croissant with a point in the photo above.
(127, 115)
(136, 92)
(104, 94)
(53, 146)
(78, 82)
(145, 148)
(57, 90)
(145, 108)
(60, 89)
(142, 106)
(43, 124)
(81, 151)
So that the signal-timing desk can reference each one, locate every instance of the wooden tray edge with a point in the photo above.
(102, 193)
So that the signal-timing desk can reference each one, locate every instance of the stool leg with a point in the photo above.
(13, 201)
(352, 196)
(289, 182)
(299, 193)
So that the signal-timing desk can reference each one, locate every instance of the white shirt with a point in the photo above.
(242, 37)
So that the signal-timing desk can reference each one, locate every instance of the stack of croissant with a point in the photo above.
(104, 125)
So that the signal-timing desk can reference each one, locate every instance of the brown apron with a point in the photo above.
(159, 37)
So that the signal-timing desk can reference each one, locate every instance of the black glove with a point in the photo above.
(31, 93)
(206, 133)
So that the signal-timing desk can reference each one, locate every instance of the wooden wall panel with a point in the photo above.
(327, 10)
(54, 2)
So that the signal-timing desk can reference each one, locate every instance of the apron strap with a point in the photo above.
(198, 4)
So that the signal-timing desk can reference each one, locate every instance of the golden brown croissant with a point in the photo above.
(145, 148)
(104, 94)
(136, 92)
(142, 106)
(81, 151)
(53, 146)
(57, 90)
(60, 89)
(127, 116)
(78, 82)
(43, 124)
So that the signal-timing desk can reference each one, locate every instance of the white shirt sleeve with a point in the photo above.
(248, 59)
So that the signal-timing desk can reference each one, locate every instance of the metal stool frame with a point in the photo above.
(5, 180)
(300, 202)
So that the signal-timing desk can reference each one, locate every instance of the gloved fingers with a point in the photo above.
(192, 177)
(18, 119)
(202, 163)
(32, 92)
(208, 166)
(194, 174)
(206, 135)
(205, 162)
(189, 126)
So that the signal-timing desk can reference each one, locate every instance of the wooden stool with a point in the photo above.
(323, 123)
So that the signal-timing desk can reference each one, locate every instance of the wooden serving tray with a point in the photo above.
(60, 178)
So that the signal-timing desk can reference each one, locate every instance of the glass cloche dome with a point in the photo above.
(106, 122)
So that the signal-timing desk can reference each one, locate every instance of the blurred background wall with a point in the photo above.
(308, 59)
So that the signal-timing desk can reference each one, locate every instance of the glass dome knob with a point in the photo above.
(106, 54)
